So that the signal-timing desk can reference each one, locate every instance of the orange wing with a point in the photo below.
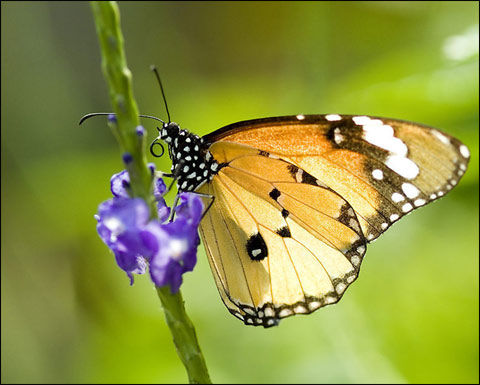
(383, 168)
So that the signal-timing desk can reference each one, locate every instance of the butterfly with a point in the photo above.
(294, 201)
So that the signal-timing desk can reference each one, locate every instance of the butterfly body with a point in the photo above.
(297, 199)
(192, 163)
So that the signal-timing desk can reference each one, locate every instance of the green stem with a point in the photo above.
(184, 336)
(119, 80)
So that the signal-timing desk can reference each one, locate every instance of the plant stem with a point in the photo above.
(184, 336)
(119, 80)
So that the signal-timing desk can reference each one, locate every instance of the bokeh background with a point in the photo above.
(68, 313)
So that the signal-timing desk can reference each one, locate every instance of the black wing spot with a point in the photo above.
(256, 247)
(285, 213)
(274, 194)
(264, 153)
(292, 169)
(308, 179)
(284, 232)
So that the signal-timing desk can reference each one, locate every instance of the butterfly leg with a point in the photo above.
(201, 195)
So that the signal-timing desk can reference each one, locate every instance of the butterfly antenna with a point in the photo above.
(111, 113)
(154, 69)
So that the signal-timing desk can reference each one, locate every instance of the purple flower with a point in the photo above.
(120, 222)
(169, 249)
(119, 183)
(174, 245)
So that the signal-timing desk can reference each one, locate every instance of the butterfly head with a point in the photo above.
(169, 132)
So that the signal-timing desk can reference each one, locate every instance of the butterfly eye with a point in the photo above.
(152, 146)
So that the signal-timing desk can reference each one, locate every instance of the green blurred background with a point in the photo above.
(68, 313)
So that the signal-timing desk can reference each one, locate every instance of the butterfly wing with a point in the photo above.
(279, 241)
(383, 168)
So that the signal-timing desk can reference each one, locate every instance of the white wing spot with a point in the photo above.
(249, 311)
(285, 312)
(407, 207)
(269, 312)
(394, 217)
(410, 190)
(397, 197)
(300, 117)
(402, 166)
(298, 176)
(330, 299)
(355, 260)
(384, 225)
(340, 288)
(333, 117)
(300, 309)
(433, 196)
(314, 305)
(464, 151)
(442, 138)
(354, 225)
(337, 136)
(186, 168)
(377, 174)
(419, 202)
(361, 249)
